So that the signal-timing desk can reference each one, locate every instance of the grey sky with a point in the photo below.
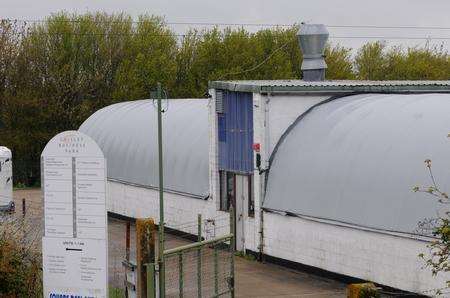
(330, 12)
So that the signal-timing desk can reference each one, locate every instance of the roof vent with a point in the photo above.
(312, 39)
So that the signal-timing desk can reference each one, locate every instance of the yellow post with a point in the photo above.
(145, 252)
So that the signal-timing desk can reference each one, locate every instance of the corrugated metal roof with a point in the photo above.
(356, 159)
(263, 86)
(127, 134)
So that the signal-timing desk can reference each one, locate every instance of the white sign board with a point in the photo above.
(6, 196)
(74, 246)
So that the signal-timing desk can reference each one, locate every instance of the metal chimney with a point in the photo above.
(312, 39)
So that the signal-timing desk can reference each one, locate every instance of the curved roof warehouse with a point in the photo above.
(127, 134)
(319, 172)
(343, 159)
(356, 159)
(352, 160)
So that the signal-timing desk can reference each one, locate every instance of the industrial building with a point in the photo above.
(319, 172)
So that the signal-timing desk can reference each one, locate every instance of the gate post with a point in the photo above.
(232, 248)
(145, 253)
(151, 286)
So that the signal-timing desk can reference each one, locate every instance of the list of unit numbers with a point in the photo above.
(74, 194)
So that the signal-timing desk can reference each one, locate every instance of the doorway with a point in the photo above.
(241, 201)
(235, 191)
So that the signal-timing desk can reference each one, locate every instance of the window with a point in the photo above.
(227, 181)
(251, 197)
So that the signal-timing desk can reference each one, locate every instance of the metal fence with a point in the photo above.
(201, 269)
(204, 268)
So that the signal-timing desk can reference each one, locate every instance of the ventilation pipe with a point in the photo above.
(312, 39)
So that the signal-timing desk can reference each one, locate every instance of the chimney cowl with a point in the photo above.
(312, 39)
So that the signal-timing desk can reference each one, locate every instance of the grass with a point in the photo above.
(116, 292)
(248, 257)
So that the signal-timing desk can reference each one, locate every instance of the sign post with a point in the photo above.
(74, 246)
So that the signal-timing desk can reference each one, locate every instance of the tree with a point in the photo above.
(428, 63)
(150, 57)
(370, 61)
(339, 61)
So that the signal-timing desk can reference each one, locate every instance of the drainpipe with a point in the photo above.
(261, 235)
(263, 180)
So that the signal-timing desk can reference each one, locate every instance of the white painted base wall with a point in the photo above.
(381, 258)
(180, 212)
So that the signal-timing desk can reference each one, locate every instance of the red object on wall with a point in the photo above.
(256, 147)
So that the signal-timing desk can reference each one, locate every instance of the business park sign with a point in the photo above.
(74, 246)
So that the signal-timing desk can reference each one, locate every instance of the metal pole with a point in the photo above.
(127, 241)
(216, 271)
(180, 274)
(196, 245)
(161, 198)
(232, 246)
(199, 257)
(199, 227)
(151, 280)
(127, 250)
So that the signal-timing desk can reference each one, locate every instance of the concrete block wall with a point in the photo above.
(180, 212)
(214, 184)
(386, 259)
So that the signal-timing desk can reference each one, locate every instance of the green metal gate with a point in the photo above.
(201, 269)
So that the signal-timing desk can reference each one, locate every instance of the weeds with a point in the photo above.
(20, 258)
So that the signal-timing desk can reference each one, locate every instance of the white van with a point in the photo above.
(6, 183)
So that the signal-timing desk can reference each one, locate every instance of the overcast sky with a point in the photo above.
(435, 13)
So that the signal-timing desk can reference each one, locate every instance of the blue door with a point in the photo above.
(235, 132)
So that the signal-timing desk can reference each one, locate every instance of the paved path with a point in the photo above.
(253, 279)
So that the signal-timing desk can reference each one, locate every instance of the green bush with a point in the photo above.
(20, 261)
(368, 292)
